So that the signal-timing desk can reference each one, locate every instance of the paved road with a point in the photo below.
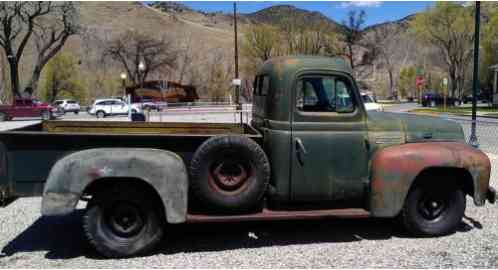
(403, 107)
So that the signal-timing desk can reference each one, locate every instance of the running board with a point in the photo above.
(267, 214)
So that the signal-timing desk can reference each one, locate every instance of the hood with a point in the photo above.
(415, 128)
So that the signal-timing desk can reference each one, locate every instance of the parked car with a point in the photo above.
(371, 103)
(152, 105)
(299, 158)
(27, 107)
(67, 105)
(433, 99)
(107, 107)
(481, 97)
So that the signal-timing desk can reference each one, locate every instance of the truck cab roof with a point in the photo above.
(274, 82)
(292, 64)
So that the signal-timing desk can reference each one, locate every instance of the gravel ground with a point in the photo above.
(29, 240)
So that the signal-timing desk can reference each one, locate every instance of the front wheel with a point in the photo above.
(433, 210)
(123, 222)
(100, 114)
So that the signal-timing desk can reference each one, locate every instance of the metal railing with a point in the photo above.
(486, 131)
(201, 113)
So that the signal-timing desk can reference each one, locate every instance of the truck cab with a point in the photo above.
(309, 109)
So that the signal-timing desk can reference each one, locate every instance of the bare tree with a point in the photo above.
(218, 82)
(352, 32)
(383, 44)
(186, 57)
(51, 35)
(132, 47)
(312, 39)
(20, 21)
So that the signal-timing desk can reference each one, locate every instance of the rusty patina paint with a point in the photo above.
(395, 168)
(163, 170)
(267, 214)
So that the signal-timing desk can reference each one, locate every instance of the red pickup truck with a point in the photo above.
(27, 107)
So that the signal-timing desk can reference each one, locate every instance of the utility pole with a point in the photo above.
(473, 137)
(236, 81)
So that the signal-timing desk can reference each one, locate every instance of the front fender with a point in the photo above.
(395, 168)
(163, 170)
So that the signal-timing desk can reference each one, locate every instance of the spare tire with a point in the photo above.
(229, 174)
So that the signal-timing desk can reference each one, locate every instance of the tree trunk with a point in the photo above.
(350, 48)
(2, 77)
(391, 81)
(14, 77)
(453, 80)
(35, 78)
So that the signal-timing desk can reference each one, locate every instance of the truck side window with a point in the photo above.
(323, 94)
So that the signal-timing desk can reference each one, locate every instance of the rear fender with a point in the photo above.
(395, 168)
(163, 170)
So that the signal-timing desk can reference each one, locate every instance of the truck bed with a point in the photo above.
(27, 154)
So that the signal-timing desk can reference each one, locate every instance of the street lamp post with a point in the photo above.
(237, 82)
(473, 137)
(141, 70)
(123, 83)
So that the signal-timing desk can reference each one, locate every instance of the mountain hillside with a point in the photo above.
(278, 15)
(202, 36)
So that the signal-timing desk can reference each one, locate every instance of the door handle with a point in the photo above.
(300, 151)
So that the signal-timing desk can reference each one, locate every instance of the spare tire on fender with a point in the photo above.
(229, 174)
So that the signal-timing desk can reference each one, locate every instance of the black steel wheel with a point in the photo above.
(433, 210)
(123, 222)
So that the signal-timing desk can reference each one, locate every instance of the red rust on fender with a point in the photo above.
(395, 168)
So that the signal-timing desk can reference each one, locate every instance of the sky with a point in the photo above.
(377, 11)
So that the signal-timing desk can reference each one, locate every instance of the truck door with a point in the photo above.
(329, 148)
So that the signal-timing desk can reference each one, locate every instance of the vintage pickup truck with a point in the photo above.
(311, 151)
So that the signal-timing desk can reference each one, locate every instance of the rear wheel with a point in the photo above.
(123, 221)
(433, 210)
(76, 112)
(100, 114)
(45, 115)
